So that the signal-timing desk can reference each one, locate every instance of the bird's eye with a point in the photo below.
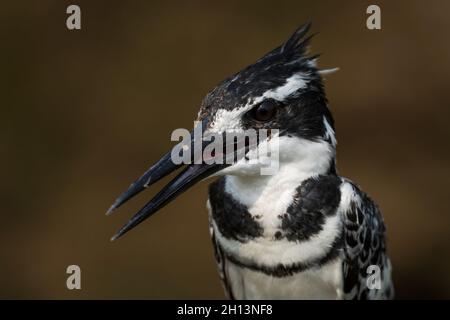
(265, 111)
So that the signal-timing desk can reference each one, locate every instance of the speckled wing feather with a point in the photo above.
(364, 245)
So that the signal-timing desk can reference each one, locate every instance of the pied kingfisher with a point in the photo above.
(303, 232)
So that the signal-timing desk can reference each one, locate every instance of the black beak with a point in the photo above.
(187, 178)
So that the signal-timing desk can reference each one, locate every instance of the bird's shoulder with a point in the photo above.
(362, 239)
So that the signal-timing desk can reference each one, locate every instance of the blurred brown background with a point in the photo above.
(85, 112)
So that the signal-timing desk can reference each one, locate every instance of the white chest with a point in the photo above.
(323, 282)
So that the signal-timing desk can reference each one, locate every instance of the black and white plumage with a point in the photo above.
(325, 240)
(303, 232)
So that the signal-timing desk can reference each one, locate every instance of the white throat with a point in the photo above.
(299, 160)
(267, 196)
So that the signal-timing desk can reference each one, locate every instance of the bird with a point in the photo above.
(302, 232)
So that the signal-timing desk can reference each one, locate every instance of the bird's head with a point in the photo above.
(280, 98)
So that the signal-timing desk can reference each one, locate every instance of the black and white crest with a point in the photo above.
(286, 75)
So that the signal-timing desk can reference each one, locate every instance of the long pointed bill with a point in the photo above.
(187, 178)
(156, 172)
(162, 168)
(209, 164)
(159, 170)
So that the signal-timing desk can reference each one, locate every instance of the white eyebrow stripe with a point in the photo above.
(293, 84)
